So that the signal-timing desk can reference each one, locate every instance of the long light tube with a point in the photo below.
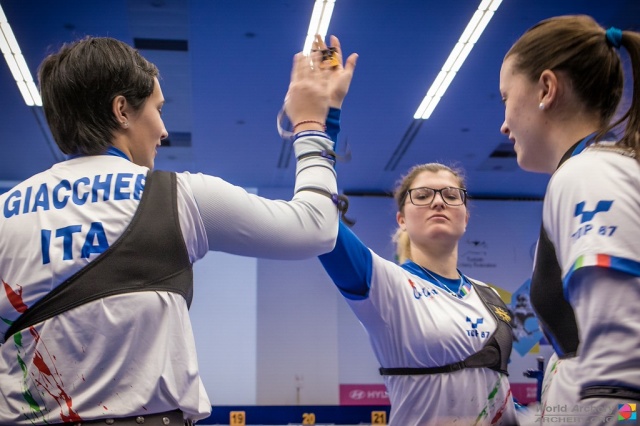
(461, 50)
(17, 64)
(319, 24)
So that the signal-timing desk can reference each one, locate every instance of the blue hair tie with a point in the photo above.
(614, 37)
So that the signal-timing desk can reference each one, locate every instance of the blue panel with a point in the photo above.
(284, 415)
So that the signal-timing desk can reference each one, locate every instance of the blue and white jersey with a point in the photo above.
(53, 224)
(560, 391)
(413, 322)
(132, 353)
(592, 212)
(592, 217)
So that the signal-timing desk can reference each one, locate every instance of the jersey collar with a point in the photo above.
(112, 150)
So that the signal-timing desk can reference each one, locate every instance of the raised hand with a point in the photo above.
(308, 95)
(341, 74)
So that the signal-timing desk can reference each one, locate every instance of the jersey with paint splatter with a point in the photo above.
(134, 353)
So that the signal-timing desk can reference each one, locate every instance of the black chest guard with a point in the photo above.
(150, 255)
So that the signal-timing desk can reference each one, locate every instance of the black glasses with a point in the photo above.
(425, 196)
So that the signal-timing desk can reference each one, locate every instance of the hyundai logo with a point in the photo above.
(357, 394)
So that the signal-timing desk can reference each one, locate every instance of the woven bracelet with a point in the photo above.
(324, 126)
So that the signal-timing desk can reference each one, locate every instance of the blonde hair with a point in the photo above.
(400, 238)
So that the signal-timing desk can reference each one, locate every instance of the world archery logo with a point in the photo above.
(627, 414)
(603, 206)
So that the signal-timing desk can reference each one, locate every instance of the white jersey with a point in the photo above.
(134, 353)
(412, 322)
(560, 390)
(592, 217)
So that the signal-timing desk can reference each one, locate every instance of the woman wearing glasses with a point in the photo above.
(442, 339)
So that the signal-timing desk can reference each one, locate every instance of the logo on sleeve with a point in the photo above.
(603, 206)
(586, 216)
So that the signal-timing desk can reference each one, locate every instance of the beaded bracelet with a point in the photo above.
(324, 126)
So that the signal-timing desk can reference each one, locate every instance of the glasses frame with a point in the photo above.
(438, 191)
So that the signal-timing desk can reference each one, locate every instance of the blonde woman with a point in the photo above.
(442, 340)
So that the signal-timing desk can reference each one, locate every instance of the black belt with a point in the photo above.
(488, 356)
(170, 418)
(619, 392)
(407, 371)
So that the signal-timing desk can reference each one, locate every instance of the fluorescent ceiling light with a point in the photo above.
(17, 63)
(456, 58)
(320, 18)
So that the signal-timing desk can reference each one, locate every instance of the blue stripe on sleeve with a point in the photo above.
(349, 265)
(333, 125)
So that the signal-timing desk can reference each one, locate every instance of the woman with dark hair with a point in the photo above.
(96, 252)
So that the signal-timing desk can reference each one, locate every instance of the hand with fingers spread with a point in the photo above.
(321, 77)
(341, 74)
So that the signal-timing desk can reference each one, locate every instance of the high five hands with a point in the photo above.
(317, 83)
(341, 74)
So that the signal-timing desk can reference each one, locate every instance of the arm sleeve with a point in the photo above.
(607, 309)
(246, 224)
(349, 265)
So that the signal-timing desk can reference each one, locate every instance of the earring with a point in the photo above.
(541, 106)
(125, 124)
